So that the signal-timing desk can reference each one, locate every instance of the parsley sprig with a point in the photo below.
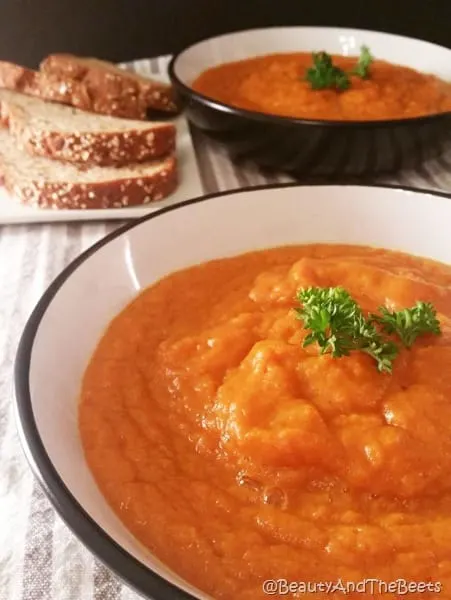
(325, 75)
(362, 68)
(338, 325)
(409, 323)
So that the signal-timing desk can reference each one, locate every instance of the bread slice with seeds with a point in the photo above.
(44, 183)
(83, 83)
(110, 86)
(41, 85)
(71, 135)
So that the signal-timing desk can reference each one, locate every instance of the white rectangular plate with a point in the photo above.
(190, 186)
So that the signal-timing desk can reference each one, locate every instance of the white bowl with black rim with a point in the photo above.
(54, 349)
(314, 147)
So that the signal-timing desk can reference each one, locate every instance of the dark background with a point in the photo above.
(127, 29)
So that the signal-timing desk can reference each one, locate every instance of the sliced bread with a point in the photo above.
(111, 86)
(45, 183)
(93, 90)
(71, 135)
(41, 85)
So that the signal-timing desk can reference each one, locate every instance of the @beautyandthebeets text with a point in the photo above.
(401, 587)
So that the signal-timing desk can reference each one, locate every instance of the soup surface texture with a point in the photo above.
(275, 84)
(238, 456)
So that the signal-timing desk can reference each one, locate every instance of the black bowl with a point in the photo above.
(312, 147)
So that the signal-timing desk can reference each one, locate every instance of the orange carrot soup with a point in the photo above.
(278, 84)
(239, 453)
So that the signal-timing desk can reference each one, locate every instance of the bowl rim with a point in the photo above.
(125, 566)
(271, 119)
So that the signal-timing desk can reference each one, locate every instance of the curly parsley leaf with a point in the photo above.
(337, 324)
(323, 74)
(362, 68)
(409, 323)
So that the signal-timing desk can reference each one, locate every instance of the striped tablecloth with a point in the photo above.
(39, 558)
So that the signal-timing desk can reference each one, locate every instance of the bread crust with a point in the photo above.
(112, 89)
(100, 149)
(117, 193)
(15, 77)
